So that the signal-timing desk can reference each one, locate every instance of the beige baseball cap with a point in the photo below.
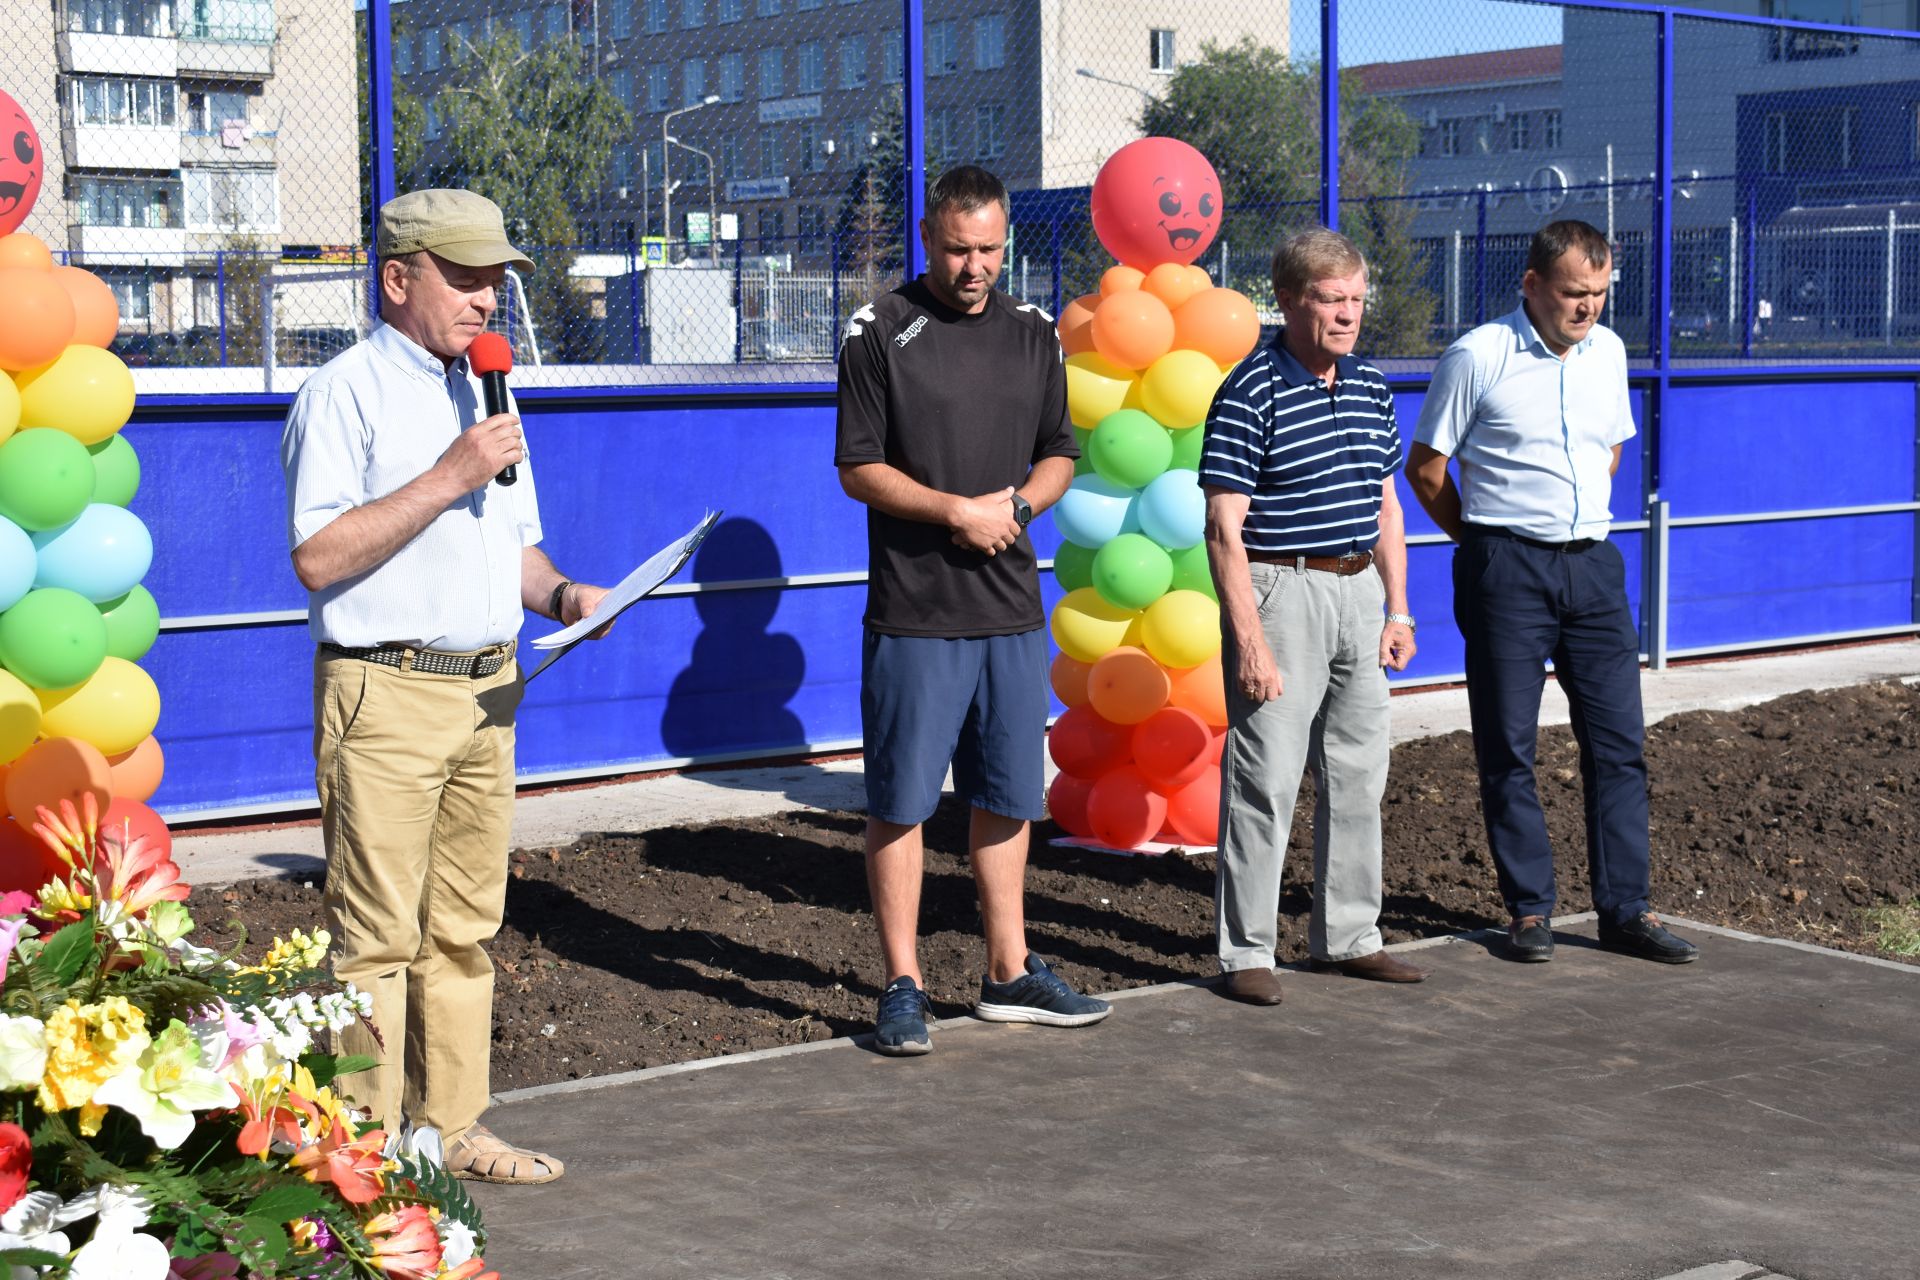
(458, 225)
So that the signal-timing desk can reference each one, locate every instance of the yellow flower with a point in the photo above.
(301, 951)
(58, 896)
(86, 1046)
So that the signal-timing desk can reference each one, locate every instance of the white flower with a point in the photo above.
(34, 1222)
(456, 1242)
(173, 1078)
(23, 1052)
(117, 1253)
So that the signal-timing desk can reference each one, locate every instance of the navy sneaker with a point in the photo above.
(900, 1027)
(1038, 996)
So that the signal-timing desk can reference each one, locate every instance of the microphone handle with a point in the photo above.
(493, 389)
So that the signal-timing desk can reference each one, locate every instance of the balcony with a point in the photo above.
(223, 147)
(149, 148)
(227, 53)
(94, 53)
(127, 246)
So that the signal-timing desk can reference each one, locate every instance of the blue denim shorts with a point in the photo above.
(979, 703)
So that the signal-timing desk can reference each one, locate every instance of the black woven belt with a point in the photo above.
(429, 662)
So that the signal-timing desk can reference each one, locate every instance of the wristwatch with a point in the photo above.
(1022, 510)
(1404, 619)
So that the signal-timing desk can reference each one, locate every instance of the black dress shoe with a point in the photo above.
(1646, 937)
(1529, 940)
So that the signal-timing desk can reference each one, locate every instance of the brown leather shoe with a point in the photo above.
(1377, 967)
(1254, 986)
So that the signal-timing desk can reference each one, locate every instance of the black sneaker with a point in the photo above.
(1529, 940)
(900, 1026)
(1039, 995)
(1646, 937)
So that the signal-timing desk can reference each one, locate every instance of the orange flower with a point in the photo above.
(124, 873)
(265, 1123)
(354, 1168)
(470, 1270)
(405, 1244)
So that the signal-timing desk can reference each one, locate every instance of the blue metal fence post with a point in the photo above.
(220, 298)
(1656, 613)
(1053, 229)
(913, 131)
(1750, 262)
(1329, 114)
(633, 289)
(381, 179)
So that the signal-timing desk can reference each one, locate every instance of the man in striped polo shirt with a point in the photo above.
(1309, 554)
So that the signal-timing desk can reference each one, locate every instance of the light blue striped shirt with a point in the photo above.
(373, 418)
(1533, 435)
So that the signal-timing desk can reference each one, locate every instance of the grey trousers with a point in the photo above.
(1332, 716)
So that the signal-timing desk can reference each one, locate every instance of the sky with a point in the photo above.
(1379, 30)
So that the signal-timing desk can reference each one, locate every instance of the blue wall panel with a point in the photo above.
(236, 716)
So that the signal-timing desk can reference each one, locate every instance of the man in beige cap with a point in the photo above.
(418, 565)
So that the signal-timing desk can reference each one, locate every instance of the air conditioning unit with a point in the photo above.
(1433, 118)
(1499, 113)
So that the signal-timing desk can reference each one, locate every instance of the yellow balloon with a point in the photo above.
(1095, 388)
(1085, 625)
(1177, 389)
(114, 709)
(85, 392)
(1182, 629)
(9, 407)
(19, 714)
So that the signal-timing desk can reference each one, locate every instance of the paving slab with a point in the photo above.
(1594, 1118)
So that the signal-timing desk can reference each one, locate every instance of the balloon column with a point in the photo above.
(1139, 628)
(76, 714)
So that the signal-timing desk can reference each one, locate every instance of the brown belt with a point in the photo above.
(1345, 566)
(479, 665)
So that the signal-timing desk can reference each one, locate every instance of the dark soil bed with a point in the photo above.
(629, 950)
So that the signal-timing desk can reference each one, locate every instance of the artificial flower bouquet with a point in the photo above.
(164, 1111)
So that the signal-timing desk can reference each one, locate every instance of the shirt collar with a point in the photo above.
(410, 355)
(1529, 337)
(1290, 371)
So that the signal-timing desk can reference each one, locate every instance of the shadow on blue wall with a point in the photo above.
(733, 695)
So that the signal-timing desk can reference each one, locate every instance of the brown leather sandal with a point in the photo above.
(482, 1156)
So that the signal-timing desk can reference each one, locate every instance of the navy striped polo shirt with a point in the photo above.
(1313, 460)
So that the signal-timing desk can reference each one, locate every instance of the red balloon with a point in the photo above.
(25, 861)
(1123, 810)
(1194, 810)
(1067, 802)
(1156, 200)
(21, 164)
(137, 820)
(1085, 745)
(1173, 746)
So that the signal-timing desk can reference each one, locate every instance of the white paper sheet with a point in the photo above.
(659, 567)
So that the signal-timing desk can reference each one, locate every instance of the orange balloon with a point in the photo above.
(1069, 679)
(1067, 803)
(1173, 283)
(132, 819)
(1076, 333)
(1086, 746)
(137, 773)
(1194, 810)
(1123, 810)
(1173, 746)
(22, 250)
(56, 769)
(1121, 279)
(1126, 686)
(96, 312)
(1202, 690)
(1218, 322)
(26, 862)
(1132, 330)
(36, 318)
(1201, 280)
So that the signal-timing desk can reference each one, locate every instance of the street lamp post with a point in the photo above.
(666, 166)
(1092, 75)
(713, 220)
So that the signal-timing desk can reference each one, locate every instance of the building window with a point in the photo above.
(209, 111)
(656, 17)
(767, 8)
(894, 58)
(1551, 141)
(432, 43)
(812, 156)
(811, 58)
(1776, 144)
(693, 81)
(730, 157)
(1449, 137)
(622, 172)
(990, 41)
(943, 139)
(773, 229)
(459, 42)
(772, 163)
(522, 28)
(126, 202)
(138, 103)
(554, 23)
(772, 73)
(731, 10)
(659, 86)
(622, 21)
(694, 165)
(943, 48)
(1160, 50)
(990, 127)
(853, 140)
(122, 17)
(622, 81)
(432, 126)
(134, 294)
(403, 54)
(232, 199)
(693, 13)
(853, 62)
(1517, 128)
(733, 77)
(810, 225)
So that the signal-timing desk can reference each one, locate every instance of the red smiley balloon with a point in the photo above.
(20, 164)
(1156, 200)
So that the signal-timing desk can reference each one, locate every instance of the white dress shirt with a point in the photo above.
(372, 419)
(1534, 435)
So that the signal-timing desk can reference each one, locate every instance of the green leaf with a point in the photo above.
(271, 1242)
(328, 1067)
(287, 1201)
(68, 951)
(432, 1184)
(32, 1258)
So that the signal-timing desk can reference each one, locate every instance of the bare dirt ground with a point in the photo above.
(628, 950)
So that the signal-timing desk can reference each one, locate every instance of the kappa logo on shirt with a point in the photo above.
(911, 332)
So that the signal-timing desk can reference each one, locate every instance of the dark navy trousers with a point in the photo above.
(1518, 605)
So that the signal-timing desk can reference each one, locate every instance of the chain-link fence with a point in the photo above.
(708, 187)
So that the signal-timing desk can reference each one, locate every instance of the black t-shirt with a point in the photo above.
(963, 404)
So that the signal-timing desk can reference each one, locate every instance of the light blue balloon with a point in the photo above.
(17, 563)
(102, 555)
(1173, 510)
(1095, 510)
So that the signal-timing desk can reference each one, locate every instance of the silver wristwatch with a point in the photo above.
(1404, 619)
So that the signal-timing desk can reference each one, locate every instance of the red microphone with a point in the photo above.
(491, 357)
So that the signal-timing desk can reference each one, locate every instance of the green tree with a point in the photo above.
(873, 213)
(1256, 116)
(409, 125)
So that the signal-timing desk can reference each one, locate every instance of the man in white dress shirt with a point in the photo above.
(419, 564)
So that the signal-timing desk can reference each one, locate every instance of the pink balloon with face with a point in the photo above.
(21, 166)
(1156, 200)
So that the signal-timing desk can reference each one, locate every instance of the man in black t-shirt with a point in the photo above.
(953, 431)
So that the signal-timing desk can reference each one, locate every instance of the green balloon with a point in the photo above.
(1190, 571)
(1132, 571)
(133, 623)
(46, 478)
(116, 470)
(53, 638)
(1129, 448)
(1082, 465)
(1073, 566)
(1187, 443)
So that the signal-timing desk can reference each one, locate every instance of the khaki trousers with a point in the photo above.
(415, 774)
